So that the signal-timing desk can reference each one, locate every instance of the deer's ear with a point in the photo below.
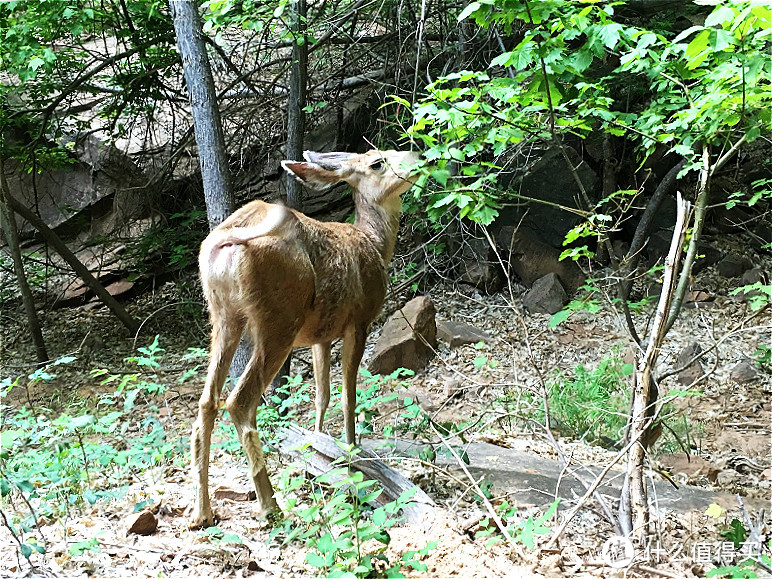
(311, 174)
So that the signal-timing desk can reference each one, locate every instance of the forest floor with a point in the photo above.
(492, 391)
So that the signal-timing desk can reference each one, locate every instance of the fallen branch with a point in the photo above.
(296, 441)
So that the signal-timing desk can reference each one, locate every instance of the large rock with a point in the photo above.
(408, 338)
(479, 265)
(546, 296)
(531, 259)
(99, 174)
(549, 179)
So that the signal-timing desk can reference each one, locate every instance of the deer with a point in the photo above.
(290, 281)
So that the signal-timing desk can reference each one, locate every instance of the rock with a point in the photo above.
(744, 371)
(99, 175)
(754, 275)
(120, 287)
(546, 296)
(551, 179)
(706, 256)
(698, 296)
(733, 265)
(222, 492)
(729, 220)
(530, 259)
(479, 265)
(693, 371)
(454, 388)
(692, 466)
(728, 478)
(408, 338)
(142, 523)
(658, 245)
(457, 334)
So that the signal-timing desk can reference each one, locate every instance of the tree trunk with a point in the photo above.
(8, 224)
(296, 116)
(633, 505)
(207, 126)
(296, 128)
(77, 266)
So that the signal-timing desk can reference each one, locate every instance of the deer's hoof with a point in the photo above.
(201, 521)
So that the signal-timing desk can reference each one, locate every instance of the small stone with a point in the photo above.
(546, 296)
(693, 371)
(457, 334)
(733, 265)
(143, 523)
(754, 275)
(222, 492)
(744, 371)
(408, 338)
(692, 466)
(728, 478)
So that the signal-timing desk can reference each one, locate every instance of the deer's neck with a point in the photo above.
(381, 223)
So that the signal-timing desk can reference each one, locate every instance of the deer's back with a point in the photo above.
(306, 276)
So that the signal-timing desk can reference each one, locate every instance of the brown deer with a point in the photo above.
(293, 281)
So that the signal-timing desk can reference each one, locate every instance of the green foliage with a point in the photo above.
(591, 404)
(336, 516)
(171, 245)
(763, 356)
(217, 536)
(63, 461)
(574, 70)
(585, 302)
(525, 532)
(758, 294)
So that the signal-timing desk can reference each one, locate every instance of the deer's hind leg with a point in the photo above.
(321, 361)
(226, 333)
(267, 358)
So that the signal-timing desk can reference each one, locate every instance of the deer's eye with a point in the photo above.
(377, 165)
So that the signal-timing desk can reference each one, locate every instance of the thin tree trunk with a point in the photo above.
(296, 128)
(207, 126)
(296, 116)
(77, 266)
(634, 507)
(8, 223)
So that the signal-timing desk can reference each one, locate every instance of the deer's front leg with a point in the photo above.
(353, 348)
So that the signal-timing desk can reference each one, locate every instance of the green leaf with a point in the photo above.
(722, 14)
(315, 560)
(558, 318)
(469, 10)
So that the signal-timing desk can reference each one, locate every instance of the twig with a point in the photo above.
(593, 487)
(488, 506)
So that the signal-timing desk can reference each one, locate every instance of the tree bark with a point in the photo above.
(633, 505)
(207, 126)
(77, 266)
(8, 224)
(296, 116)
(296, 128)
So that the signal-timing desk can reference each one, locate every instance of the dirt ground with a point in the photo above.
(729, 436)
